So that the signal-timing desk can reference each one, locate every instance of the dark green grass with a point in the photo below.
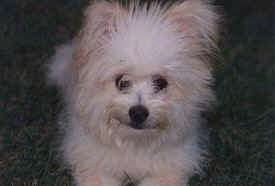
(241, 127)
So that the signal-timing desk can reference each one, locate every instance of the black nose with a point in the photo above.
(138, 113)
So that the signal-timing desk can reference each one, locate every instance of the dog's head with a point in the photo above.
(141, 73)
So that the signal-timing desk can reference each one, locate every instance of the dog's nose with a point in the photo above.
(138, 113)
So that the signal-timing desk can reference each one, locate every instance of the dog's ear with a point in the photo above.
(100, 21)
(197, 22)
(101, 18)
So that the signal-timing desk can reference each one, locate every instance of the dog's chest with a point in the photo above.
(135, 165)
(138, 164)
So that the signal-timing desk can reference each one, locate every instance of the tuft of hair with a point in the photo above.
(59, 67)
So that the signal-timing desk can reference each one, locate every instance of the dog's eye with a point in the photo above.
(159, 83)
(122, 82)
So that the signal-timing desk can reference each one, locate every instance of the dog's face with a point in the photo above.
(140, 73)
(133, 100)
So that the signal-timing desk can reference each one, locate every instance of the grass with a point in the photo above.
(242, 127)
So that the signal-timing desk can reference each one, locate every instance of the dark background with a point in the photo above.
(242, 126)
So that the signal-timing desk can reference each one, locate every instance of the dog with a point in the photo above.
(135, 80)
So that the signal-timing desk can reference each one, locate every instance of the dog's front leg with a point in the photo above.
(163, 180)
(99, 180)
(93, 180)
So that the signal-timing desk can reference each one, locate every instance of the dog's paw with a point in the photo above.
(166, 180)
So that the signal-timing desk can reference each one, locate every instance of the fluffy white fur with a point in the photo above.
(138, 42)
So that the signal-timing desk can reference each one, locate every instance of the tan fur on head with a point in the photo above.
(136, 81)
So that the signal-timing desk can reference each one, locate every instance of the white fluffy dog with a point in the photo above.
(135, 81)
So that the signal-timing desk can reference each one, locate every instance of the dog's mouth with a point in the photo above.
(139, 126)
(122, 130)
